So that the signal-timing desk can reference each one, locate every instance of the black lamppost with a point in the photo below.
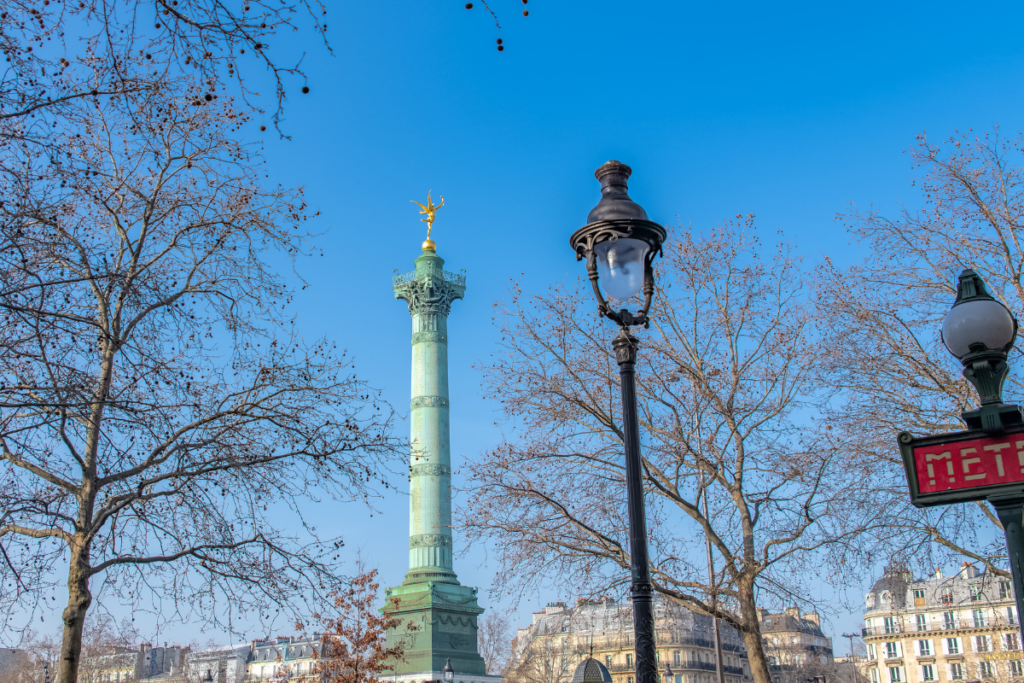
(980, 331)
(619, 243)
(448, 671)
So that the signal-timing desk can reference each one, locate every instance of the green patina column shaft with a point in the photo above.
(443, 611)
(430, 291)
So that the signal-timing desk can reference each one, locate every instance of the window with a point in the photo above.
(675, 657)
(949, 620)
(894, 674)
(892, 650)
(927, 672)
(946, 598)
(794, 640)
(975, 592)
(608, 661)
(922, 622)
(982, 644)
(629, 680)
(890, 625)
(775, 640)
(872, 653)
(956, 671)
(918, 597)
(1011, 641)
(952, 646)
(924, 648)
(629, 661)
(985, 669)
(979, 618)
(1015, 667)
(1011, 615)
(874, 676)
(1004, 590)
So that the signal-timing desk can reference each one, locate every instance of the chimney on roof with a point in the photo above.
(969, 571)
(813, 618)
(793, 612)
(761, 613)
(938, 572)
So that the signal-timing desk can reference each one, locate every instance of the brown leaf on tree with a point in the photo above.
(353, 643)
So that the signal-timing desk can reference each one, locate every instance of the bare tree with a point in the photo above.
(538, 660)
(886, 314)
(158, 412)
(729, 398)
(353, 645)
(102, 638)
(494, 640)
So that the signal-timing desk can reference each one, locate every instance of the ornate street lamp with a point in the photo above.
(449, 672)
(619, 244)
(980, 331)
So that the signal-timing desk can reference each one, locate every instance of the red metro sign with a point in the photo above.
(963, 466)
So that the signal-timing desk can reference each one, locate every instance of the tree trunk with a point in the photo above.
(752, 634)
(79, 599)
(758, 662)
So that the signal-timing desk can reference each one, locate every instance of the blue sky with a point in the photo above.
(786, 111)
(789, 112)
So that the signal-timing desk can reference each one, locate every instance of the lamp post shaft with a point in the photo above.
(625, 346)
(1010, 514)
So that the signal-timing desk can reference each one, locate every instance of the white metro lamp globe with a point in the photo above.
(977, 321)
(620, 266)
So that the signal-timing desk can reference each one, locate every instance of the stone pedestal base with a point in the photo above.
(444, 615)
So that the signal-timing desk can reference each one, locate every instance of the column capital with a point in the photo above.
(429, 289)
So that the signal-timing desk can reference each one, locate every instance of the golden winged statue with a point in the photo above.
(429, 210)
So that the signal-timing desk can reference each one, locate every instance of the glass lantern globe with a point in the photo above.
(620, 266)
(977, 321)
(449, 672)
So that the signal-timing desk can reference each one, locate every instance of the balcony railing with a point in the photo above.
(455, 278)
(997, 622)
(684, 667)
(666, 639)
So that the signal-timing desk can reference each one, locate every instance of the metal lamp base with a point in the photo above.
(994, 418)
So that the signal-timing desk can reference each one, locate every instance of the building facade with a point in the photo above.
(227, 664)
(793, 639)
(285, 658)
(561, 637)
(942, 629)
(795, 645)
